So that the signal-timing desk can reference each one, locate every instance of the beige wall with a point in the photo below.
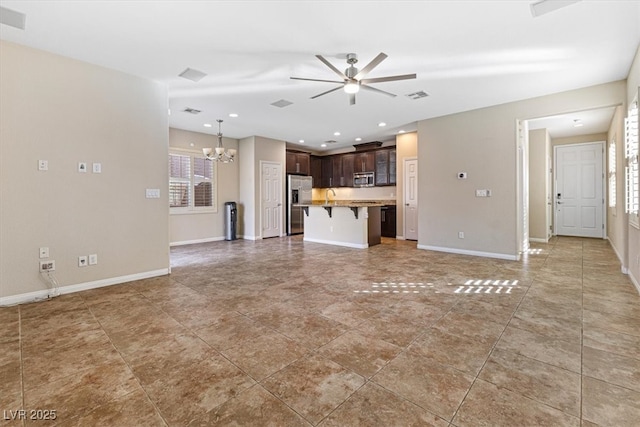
(483, 144)
(202, 227)
(65, 111)
(633, 92)
(406, 148)
(617, 220)
(253, 151)
(579, 139)
(539, 193)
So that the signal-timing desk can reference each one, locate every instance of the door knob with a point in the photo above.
(406, 204)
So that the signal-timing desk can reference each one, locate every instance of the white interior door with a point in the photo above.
(271, 192)
(411, 199)
(579, 196)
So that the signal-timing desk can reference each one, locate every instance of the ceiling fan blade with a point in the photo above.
(316, 80)
(373, 89)
(370, 66)
(352, 99)
(388, 79)
(329, 91)
(330, 65)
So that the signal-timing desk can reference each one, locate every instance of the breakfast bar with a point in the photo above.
(354, 224)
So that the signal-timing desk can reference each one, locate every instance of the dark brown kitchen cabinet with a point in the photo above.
(316, 171)
(388, 221)
(385, 167)
(298, 162)
(327, 172)
(365, 162)
(342, 170)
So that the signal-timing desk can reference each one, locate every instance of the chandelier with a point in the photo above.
(220, 154)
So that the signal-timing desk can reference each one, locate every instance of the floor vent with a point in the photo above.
(282, 103)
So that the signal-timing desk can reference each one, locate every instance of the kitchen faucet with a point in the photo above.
(326, 195)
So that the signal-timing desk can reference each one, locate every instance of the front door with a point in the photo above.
(271, 191)
(411, 199)
(579, 195)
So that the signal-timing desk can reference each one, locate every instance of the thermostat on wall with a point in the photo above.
(462, 175)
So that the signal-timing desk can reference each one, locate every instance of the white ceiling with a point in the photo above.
(467, 55)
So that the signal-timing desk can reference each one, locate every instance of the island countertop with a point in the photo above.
(350, 203)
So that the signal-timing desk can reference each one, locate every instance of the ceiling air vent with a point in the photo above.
(193, 75)
(282, 103)
(417, 95)
(192, 111)
(12, 18)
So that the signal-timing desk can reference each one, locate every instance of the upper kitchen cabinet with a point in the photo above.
(316, 171)
(365, 162)
(342, 170)
(298, 162)
(386, 167)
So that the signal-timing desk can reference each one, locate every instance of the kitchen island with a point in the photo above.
(355, 224)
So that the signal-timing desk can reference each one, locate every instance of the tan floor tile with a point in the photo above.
(439, 346)
(348, 312)
(611, 322)
(361, 353)
(9, 324)
(190, 391)
(313, 386)
(77, 394)
(613, 342)
(609, 405)
(547, 384)
(469, 326)
(436, 388)
(392, 328)
(625, 306)
(553, 351)
(134, 408)
(372, 405)
(612, 368)
(265, 354)
(313, 330)
(489, 405)
(253, 407)
(45, 367)
(231, 330)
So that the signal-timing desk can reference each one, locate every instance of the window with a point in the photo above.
(191, 183)
(612, 174)
(631, 169)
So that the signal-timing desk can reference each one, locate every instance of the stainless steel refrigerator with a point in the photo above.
(298, 192)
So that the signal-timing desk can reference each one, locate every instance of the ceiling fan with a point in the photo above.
(354, 79)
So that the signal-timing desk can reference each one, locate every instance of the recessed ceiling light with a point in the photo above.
(336, 133)
(577, 123)
(382, 124)
(358, 139)
(233, 115)
(192, 145)
(401, 131)
(301, 141)
(207, 125)
(323, 145)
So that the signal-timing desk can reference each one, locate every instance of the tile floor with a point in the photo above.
(285, 333)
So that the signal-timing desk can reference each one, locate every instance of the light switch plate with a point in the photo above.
(43, 165)
(152, 193)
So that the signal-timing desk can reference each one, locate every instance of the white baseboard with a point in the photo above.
(615, 250)
(46, 293)
(635, 281)
(331, 242)
(400, 238)
(192, 242)
(467, 252)
(536, 240)
(250, 237)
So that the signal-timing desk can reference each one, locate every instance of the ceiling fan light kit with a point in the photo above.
(354, 79)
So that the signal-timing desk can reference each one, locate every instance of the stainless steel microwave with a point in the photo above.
(363, 179)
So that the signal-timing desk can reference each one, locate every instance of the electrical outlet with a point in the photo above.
(43, 165)
(82, 167)
(46, 266)
(82, 261)
(44, 252)
(93, 259)
(460, 234)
